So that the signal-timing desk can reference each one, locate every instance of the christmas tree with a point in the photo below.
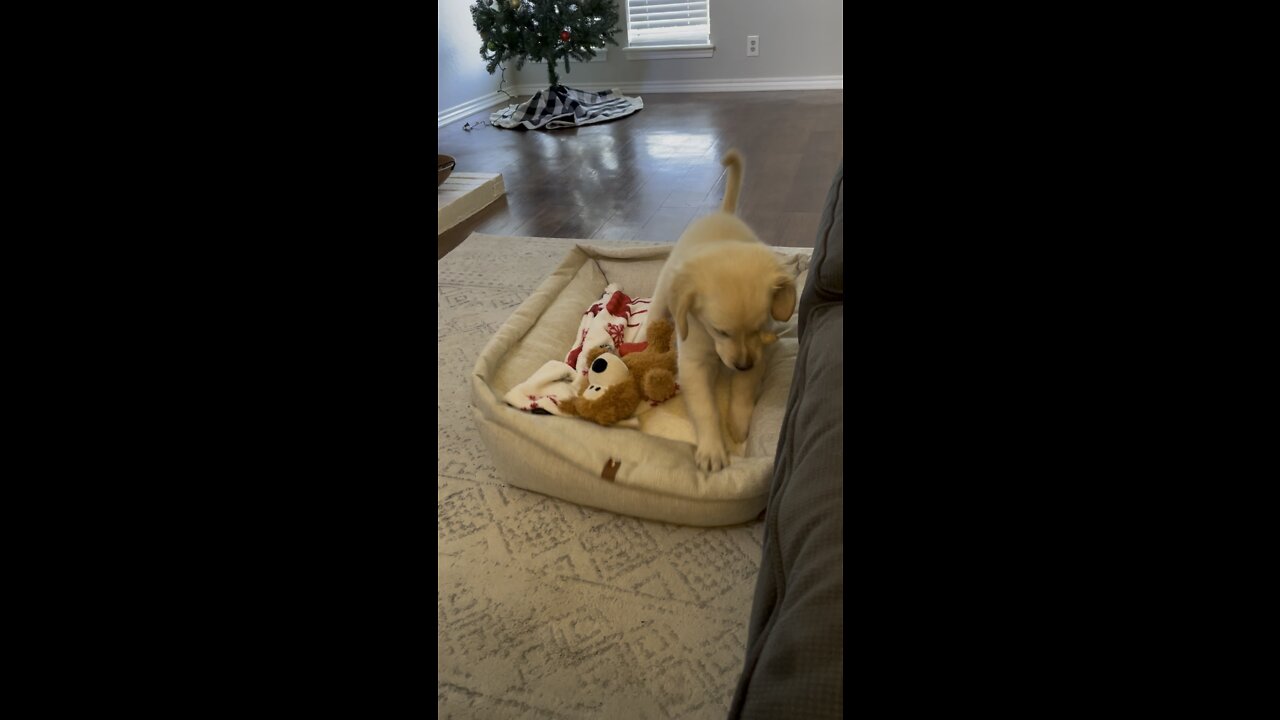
(547, 30)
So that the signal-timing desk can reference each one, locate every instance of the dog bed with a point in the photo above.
(620, 469)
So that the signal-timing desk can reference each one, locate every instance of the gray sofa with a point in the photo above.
(795, 649)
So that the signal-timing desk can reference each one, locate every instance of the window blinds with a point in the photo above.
(667, 22)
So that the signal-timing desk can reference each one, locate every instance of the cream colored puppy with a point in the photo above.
(723, 287)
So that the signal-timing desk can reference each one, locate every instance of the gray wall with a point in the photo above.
(798, 38)
(461, 74)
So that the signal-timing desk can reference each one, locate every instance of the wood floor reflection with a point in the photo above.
(647, 176)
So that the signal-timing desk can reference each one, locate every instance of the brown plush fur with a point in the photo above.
(651, 377)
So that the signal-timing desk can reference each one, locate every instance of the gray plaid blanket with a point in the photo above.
(561, 107)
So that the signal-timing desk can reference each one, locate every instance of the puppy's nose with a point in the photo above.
(744, 366)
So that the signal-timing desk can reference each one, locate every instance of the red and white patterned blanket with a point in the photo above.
(615, 320)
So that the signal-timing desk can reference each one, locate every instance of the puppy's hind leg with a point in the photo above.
(743, 389)
(660, 304)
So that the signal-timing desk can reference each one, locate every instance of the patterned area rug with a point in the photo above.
(546, 609)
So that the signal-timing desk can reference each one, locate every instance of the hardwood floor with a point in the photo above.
(647, 176)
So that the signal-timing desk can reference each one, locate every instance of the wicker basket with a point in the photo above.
(444, 166)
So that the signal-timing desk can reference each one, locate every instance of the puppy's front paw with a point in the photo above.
(711, 457)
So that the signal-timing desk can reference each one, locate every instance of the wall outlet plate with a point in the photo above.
(753, 45)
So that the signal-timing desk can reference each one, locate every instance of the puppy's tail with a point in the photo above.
(733, 161)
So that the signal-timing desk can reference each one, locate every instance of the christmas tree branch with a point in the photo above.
(549, 31)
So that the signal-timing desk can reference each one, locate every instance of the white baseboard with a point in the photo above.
(815, 82)
(457, 112)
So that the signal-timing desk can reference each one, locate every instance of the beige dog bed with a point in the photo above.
(620, 469)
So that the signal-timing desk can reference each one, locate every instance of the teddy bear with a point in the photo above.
(616, 385)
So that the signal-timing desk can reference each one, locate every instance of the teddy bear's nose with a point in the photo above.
(600, 365)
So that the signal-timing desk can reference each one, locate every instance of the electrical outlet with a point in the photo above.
(753, 45)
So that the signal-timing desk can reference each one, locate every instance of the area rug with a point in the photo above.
(545, 609)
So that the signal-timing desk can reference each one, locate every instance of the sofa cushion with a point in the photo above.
(826, 273)
(795, 661)
(795, 647)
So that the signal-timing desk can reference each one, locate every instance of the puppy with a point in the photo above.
(723, 287)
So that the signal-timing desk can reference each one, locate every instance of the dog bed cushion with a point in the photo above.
(619, 469)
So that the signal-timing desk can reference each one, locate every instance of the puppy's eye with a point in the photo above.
(720, 332)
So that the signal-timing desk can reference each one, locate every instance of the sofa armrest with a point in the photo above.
(826, 269)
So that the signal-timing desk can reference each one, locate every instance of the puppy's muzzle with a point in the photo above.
(744, 366)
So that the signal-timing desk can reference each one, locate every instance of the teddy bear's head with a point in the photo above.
(615, 386)
(611, 393)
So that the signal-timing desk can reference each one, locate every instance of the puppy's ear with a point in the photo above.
(683, 303)
(784, 298)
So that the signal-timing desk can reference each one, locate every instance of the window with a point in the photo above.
(656, 28)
